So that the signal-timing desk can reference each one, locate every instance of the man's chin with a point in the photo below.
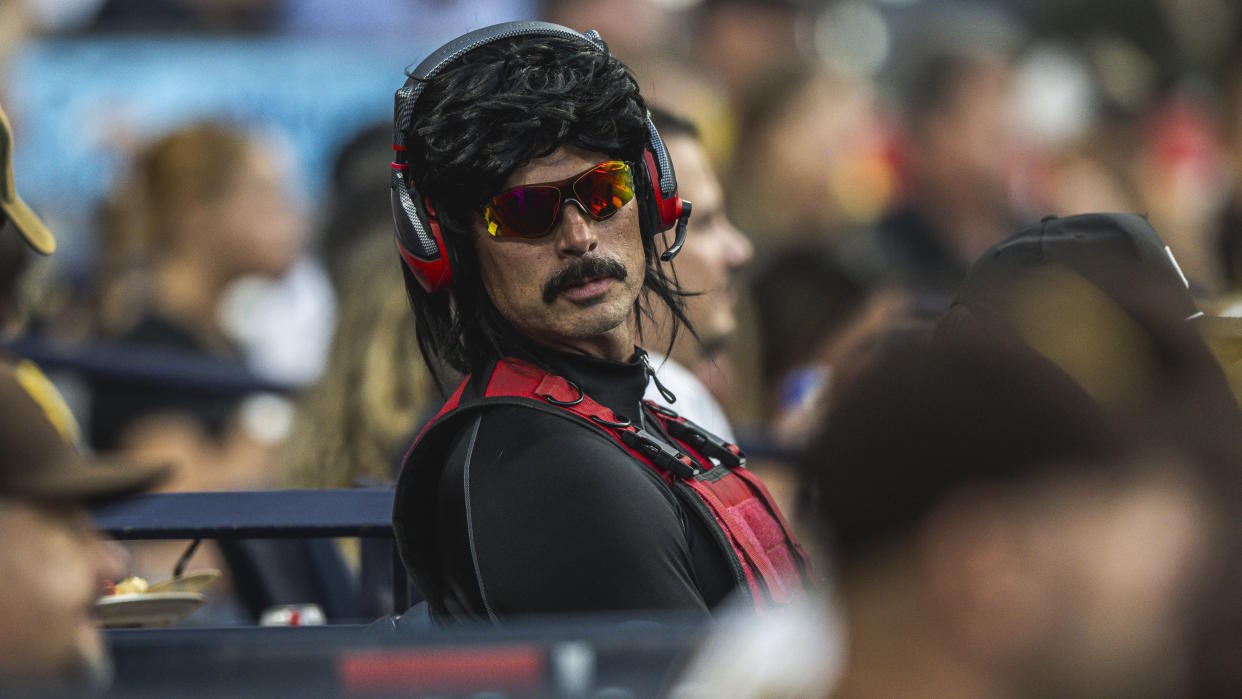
(714, 335)
(581, 324)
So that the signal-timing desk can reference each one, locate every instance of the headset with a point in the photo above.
(419, 237)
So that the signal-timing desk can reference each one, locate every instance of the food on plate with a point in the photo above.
(130, 585)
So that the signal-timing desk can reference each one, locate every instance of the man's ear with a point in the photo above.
(991, 600)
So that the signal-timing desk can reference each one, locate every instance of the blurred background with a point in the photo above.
(215, 171)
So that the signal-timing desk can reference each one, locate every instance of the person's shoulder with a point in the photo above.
(515, 420)
(518, 457)
(544, 434)
(510, 434)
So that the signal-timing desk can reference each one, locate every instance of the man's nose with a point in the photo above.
(575, 233)
(740, 249)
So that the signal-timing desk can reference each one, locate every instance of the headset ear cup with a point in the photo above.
(663, 177)
(674, 212)
(668, 207)
(419, 238)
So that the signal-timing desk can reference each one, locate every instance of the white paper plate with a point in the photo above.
(193, 581)
(146, 608)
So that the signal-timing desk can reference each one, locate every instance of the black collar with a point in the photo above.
(617, 385)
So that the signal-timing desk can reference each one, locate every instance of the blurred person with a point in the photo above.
(637, 30)
(1047, 285)
(1075, 139)
(359, 194)
(707, 269)
(817, 323)
(350, 428)
(997, 533)
(743, 42)
(957, 150)
(813, 158)
(1042, 283)
(353, 426)
(1075, 179)
(205, 206)
(803, 297)
(55, 563)
(814, 324)
(529, 237)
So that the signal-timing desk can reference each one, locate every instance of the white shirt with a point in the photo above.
(694, 401)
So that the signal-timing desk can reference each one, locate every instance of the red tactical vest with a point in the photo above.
(707, 474)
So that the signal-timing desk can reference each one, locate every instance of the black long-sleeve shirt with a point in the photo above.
(537, 515)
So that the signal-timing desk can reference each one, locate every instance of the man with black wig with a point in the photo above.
(514, 510)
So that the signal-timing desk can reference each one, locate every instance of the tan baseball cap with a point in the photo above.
(21, 216)
(38, 459)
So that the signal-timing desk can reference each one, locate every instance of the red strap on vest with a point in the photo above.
(747, 510)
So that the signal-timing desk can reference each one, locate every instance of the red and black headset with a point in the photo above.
(419, 238)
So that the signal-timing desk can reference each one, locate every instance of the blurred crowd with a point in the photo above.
(851, 164)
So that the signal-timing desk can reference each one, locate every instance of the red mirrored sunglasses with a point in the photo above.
(532, 210)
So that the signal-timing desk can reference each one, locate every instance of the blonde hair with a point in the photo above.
(351, 426)
(193, 165)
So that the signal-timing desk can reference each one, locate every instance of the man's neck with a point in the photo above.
(616, 345)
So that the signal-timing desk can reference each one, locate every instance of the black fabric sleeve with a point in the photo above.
(539, 515)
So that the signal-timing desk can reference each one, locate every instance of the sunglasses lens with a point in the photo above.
(527, 212)
(531, 211)
(605, 189)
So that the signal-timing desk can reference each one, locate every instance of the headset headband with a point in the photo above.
(431, 66)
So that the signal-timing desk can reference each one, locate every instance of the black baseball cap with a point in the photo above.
(1116, 252)
(38, 458)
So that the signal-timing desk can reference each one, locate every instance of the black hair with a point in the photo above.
(802, 294)
(935, 86)
(353, 166)
(492, 111)
(358, 200)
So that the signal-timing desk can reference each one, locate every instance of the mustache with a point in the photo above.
(580, 270)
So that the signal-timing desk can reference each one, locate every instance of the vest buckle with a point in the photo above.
(661, 454)
(707, 443)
